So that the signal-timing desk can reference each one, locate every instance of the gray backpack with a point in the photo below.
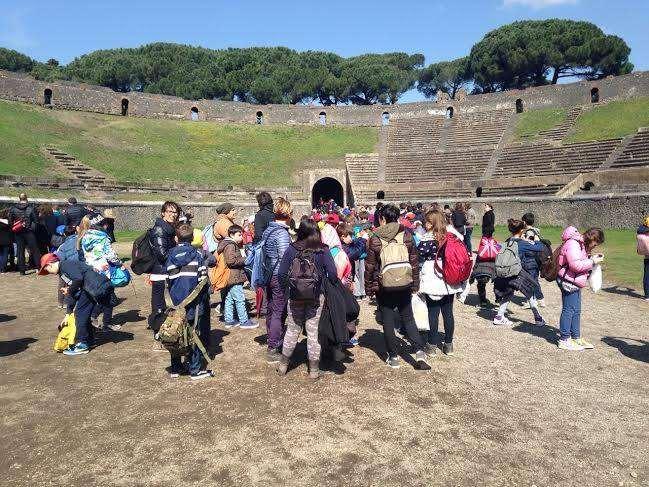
(508, 262)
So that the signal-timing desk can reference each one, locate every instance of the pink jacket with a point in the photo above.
(574, 263)
(329, 237)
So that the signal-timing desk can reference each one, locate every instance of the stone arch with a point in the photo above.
(594, 95)
(449, 112)
(380, 195)
(385, 118)
(47, 96)
(323, 118)
(519, 106)
(124, 107)
(588, 186)
(193, 113)
(327, 188)
(259, 120)
(478, 192)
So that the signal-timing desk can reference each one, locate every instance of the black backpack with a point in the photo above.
(303, 276)
(142, 258)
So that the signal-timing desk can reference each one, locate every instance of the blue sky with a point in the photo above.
(440, 29)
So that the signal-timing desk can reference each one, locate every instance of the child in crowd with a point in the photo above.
(505, 287)
(532, 234)
(576, 261)
(643, 249)
(186, 266)
(86, 288)
(231, 248)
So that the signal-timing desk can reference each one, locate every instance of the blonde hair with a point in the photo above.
(83, 227)
(282, 209)
(435, 223)
(646, 221)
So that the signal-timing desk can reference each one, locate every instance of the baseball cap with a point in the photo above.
(45, 260)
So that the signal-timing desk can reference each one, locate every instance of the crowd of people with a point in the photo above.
(307, 274)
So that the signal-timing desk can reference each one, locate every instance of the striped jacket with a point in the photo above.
(185, 266)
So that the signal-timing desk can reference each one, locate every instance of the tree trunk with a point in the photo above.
(555, 76)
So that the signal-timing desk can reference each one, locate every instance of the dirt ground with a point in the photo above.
(508, 409)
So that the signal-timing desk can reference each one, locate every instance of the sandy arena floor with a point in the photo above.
(508, 409)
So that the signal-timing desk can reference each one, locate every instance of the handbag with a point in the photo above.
(420, 312)
(18, 226)
(595, 278)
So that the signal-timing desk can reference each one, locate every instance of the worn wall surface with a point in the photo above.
(78, 96)
(603, 211)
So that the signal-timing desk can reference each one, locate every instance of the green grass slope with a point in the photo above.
(612, 120)
(532, 122)
(136, 149)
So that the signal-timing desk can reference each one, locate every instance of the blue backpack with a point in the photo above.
(257, 265)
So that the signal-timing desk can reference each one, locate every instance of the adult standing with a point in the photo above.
(264, 216)
(74, 212)
(162, 240)
(224, 221)
(277, 240)
(394, 305)
(471, 218)
(643, 249)
(22, 220)
(488, 221)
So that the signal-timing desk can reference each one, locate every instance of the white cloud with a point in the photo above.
(539, 3)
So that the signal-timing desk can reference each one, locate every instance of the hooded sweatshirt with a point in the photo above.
(574, 263)
(388, 232)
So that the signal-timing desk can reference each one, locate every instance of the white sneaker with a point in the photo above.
(570, 344)
(526, 305)
(461, 298)
(503, 321)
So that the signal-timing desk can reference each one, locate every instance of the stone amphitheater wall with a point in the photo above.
(583, 211)
(79, 96)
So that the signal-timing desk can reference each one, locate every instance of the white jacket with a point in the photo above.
(431, 281)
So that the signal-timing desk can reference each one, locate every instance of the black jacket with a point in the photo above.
(262, 218)
(6, 235)
(161, 237)
(340, 307)
(74, 214)
(79, 275)
(23, 211)
(488, 223)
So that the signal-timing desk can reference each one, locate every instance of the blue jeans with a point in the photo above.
(468, 231)
(4, 253)
(645, 281)
(234, 298)
(570, 314)
(535, 274)
(82, 313)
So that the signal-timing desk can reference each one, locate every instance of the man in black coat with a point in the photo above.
(162, 240)
(488, 221)
(74, 212)
(264, 216)
(24, 212)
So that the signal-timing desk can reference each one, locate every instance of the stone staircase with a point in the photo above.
(76, 169)
(558, 132)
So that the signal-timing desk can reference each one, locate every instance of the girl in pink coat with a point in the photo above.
(575, 264)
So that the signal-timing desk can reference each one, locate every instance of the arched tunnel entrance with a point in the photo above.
(325, 189)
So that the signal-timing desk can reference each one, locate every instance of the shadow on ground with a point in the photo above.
(5, 318)
(636, 351)
(12, 347)
(623, 291)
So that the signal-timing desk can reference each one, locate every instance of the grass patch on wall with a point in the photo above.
(611, 120)
(531, 123)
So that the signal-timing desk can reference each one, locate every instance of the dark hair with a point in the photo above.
(363, 215)
(72, 200)
(390, 213)
(491, 207)
(343, 230)
(528, 218)
(309, 232)
(234, 229)
(446, 207)
(185, 232)
(593, 237)
(4, 212)
(264, 198)
(515, 226)
(170, 204)
(379, 205)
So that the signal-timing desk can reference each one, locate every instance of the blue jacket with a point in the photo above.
(277, 241)
(528, 252)
(68, 250)
(185, 265)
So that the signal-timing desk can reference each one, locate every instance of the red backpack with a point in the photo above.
(488, 249)
(457, 263)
